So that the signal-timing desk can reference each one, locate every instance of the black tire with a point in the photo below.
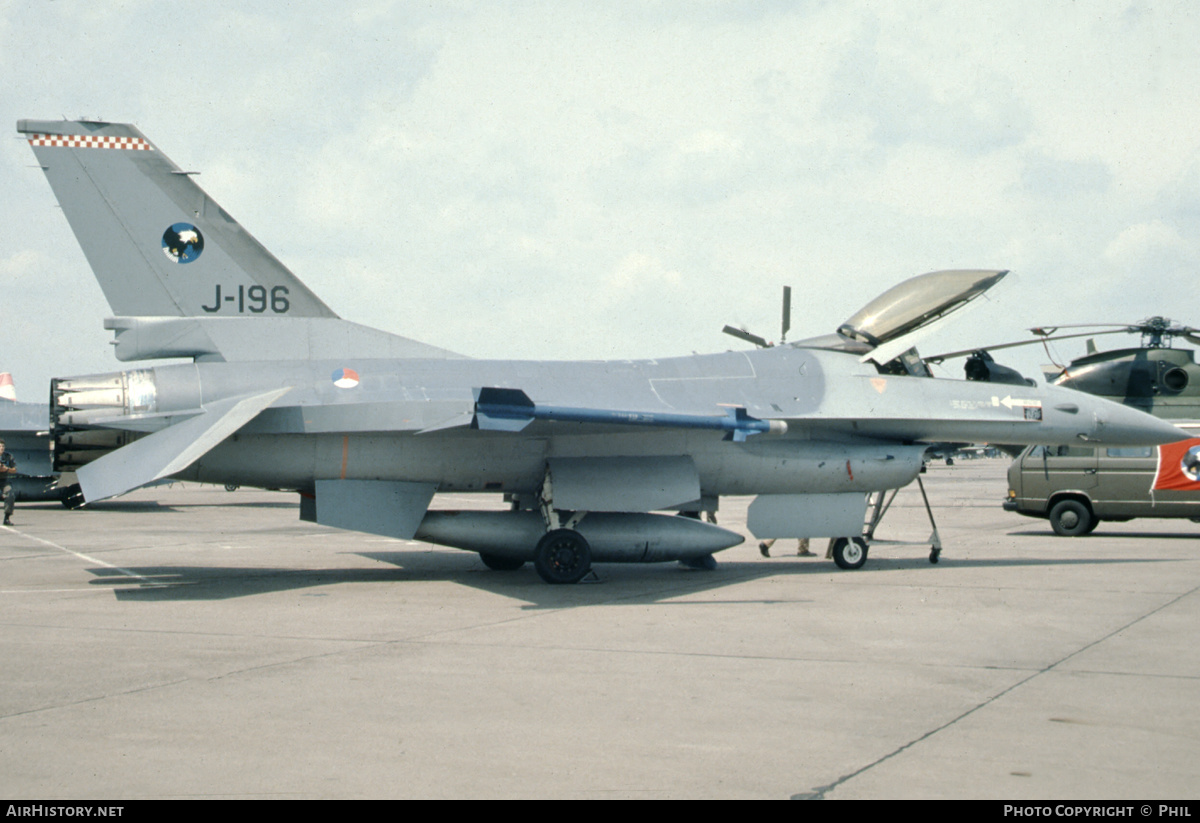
(71, 497)
(500, 563)
(850, 553)
(562, 556)
(1071, 518)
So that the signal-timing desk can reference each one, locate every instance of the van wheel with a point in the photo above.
(1070, 518)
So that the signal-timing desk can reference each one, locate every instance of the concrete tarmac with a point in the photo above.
(187, 642)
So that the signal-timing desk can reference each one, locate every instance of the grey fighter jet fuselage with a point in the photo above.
(24, 427)
(368, 426)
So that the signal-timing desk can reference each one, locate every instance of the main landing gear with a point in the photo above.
(562, 556)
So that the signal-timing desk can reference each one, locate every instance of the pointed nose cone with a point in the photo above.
(1080, 416)
(1118, 425)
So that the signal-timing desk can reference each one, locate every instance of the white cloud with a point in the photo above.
(640, 277)
(1155, 239)
(26, 264)
(484, 176)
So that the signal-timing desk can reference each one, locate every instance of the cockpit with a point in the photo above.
(886, 328)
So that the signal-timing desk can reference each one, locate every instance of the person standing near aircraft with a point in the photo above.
(8, 468)
(764, 548)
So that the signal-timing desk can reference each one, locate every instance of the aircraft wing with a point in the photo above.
(25, 427)
(23, 417)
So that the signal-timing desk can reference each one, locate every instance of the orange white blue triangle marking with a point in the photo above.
(345, 378)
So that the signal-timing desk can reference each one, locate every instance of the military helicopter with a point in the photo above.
(1153, 377)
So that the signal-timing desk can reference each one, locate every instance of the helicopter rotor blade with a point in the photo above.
(787, 313)
(742, 334)
(938, 358)
(949, 355)
(1050, 331)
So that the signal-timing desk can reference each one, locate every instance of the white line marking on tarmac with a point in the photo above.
(92, 590)
(83, 557)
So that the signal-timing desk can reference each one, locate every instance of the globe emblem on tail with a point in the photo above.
(1191, 464)
(182, 243)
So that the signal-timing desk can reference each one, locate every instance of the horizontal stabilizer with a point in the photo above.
(171, 450)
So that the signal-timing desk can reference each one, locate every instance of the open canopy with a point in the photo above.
(917, 302)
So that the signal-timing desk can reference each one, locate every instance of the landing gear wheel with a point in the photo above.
(562, 556)
(500, 563)
(1070, 518)
(850, 553)
(935, 555)
(71, 497)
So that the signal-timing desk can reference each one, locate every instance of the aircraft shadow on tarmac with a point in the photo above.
(249, 504)
(611, 583)
(106, 505)
(152, 506)
(622, 582)
(177, 582)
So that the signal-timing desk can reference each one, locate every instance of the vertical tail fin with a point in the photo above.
(7, 390)
(158, 244)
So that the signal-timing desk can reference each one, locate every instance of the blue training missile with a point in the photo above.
(511, 410)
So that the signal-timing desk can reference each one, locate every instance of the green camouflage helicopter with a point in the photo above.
(1153, 377)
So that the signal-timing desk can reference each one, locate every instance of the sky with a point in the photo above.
(581, 180)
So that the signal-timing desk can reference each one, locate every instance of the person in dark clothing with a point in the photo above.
(8, 469)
